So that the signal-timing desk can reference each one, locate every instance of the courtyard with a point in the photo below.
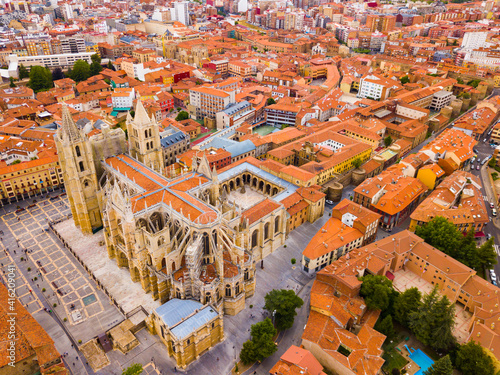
(405, 279)
(247, 199)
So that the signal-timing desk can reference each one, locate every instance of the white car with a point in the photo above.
(477, 167)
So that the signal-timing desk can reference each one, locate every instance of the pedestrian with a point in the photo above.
(217, 359)
(73, 363)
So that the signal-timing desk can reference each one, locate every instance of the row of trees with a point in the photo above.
(431, 318)
(443, 235)
(41, 78)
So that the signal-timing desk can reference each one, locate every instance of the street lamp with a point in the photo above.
(274, 312)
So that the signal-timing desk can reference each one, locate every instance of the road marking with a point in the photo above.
(497, 249)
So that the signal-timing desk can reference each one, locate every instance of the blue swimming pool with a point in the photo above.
(421, 359)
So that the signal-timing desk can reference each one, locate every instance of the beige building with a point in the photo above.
(187, 328)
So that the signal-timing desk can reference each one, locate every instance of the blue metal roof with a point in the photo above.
(193, 323)
(174, 311)
(233, 147)
(171, 136)
(236, 107)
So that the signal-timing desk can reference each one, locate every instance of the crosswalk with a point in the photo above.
(497, 249)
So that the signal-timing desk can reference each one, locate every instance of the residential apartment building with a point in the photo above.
(391, 194)
(350, 227)
(458, 199)
(278, 115)
(50, 61)
(122, 98)
(207, 102)
(376, 87)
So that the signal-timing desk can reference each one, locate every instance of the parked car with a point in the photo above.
(492, 205)
(494, 212)
(328, 201)
(477, 167)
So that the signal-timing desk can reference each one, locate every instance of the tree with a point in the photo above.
(183, 115)
(405, 303)
(460, 81)
(442, 366)
(492, 162)
(433, 321)
(404, 79)
(474, 82)
(23, 72)
(40, 79)
(377, 291)
(81, 71)
(472, 359)
(283, 304)
(385, 326)
(134, 369)
(271, 101)
(356, 163)
(261, 344)
(441, 234)
(57, 73)
(12, 84)
(388, 141)
(486, 254)
(95, 67)
(110, 66)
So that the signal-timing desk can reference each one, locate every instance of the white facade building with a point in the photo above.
(181, 12)
(474, 39)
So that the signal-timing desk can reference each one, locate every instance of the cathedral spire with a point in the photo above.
(69, 131)
(141, 115)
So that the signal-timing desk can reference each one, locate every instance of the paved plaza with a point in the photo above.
(92, 252)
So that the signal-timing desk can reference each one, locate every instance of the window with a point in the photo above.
(77, 150)
(228, 290)
(80, 164)
(266, 231)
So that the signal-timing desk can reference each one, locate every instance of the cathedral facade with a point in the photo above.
(185, 237)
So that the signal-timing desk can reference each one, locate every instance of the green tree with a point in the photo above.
(40, 78)
(388, 141)
(271, 101)
(183, 115)
(95, 66)
(283, 304)
(486, 254)
(12, 84)
(472, 359)
(81, 71)
(492, 162)
(385, 326)
(261, 344)
(404, 79)
(377, 291)
(110, 65)
(134, 369)
(474, 82)
(23, 72)
(441, 234)
(433, 321)
(460, 81)
(356, 163)
(57, 73)
(442, 366)
(405, 303)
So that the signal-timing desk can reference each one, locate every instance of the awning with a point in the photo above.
(389, 275)
(479, 234)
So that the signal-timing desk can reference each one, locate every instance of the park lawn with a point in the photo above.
(393, 360)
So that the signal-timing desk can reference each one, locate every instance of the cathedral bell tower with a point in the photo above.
(144, 139)
(78, 169)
